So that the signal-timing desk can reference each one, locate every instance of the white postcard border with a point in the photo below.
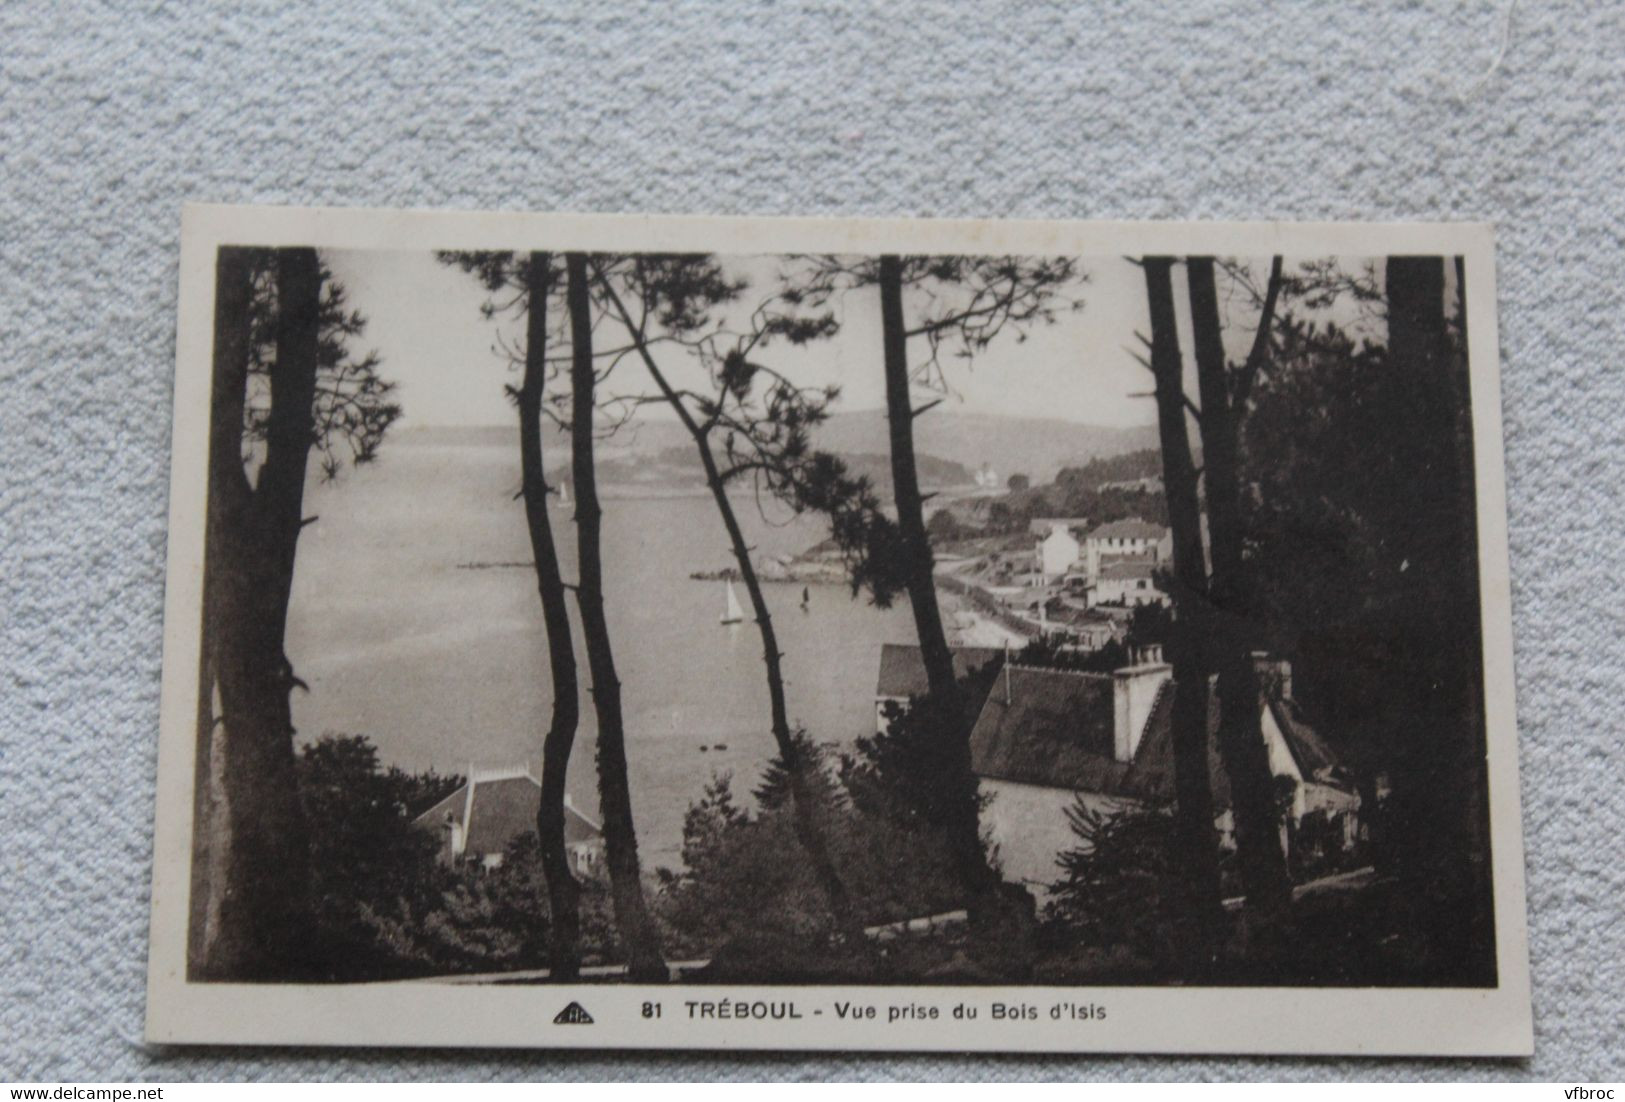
(1296, 1020)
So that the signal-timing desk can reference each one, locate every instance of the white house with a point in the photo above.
(481, 818)
(1057, 553)
(1046, 740)
(1127, 539)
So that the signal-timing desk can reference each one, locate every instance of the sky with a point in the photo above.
(424, 321)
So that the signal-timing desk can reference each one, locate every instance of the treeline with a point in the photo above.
(1361, 524)
(1144, 463)
(1336, 491)
(1014, 511)
(389, 905)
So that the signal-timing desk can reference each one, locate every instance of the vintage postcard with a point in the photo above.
(648, 632)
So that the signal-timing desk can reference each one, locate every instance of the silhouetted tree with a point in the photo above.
(284, 385)
(1235, 631)
(1362, 528)
(525, 284)
(962, 304)
(645, 963)
(1122, 884)
(768, 440)
(372, 868)
(1440, 782)
(1193, 794)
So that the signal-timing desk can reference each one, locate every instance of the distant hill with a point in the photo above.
(1035, 447)
(952, 444)
(935, 472)
(681, 465)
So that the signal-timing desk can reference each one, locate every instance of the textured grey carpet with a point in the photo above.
(110, 119)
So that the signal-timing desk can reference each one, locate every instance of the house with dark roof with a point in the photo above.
(1046, 740)
(902, 673)
(1127, 582)
(1091, 628)
(483, 816)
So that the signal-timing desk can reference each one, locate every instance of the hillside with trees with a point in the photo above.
(1102, 490)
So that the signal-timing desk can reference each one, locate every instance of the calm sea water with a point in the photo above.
(442, 665)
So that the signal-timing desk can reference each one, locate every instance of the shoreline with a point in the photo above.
(969, 627)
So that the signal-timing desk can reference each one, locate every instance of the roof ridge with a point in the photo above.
(1297, 729)
(571, 808)
(500, 773)
(1054, 669)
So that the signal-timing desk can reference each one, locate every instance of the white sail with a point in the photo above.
(733, 614)
(564, 493)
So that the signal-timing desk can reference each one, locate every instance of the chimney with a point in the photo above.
(1274, 675)
(1134, 691)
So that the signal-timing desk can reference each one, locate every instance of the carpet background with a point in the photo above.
(112, 116)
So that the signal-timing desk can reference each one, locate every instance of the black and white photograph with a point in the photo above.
(659, 632)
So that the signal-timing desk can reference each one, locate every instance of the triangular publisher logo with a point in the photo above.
(574, 1014)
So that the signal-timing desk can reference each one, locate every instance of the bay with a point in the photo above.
(415, 621)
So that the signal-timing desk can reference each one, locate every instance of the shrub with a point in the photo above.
(1119, 886)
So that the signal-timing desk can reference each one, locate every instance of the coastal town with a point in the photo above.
(1059, 623)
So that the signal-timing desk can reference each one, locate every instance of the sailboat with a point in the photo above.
(733, 614)
(564, 494)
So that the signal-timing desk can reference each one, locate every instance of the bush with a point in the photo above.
(372, 873)
(496, 920)
(387, 907)
(745, 897)
(1317, 847)
(1119, 886)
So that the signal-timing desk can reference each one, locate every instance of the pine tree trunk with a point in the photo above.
(228, 495)
(264, 918)
(809, 832)
(1476, 810)
(563, 892)
(1440, 779)
(1261, 862)
(981, 884)
(645, 964)
(1193, 791)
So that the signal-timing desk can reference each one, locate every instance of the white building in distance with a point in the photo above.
(1126, 539)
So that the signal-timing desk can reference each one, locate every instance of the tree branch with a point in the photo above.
(1243, 385)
